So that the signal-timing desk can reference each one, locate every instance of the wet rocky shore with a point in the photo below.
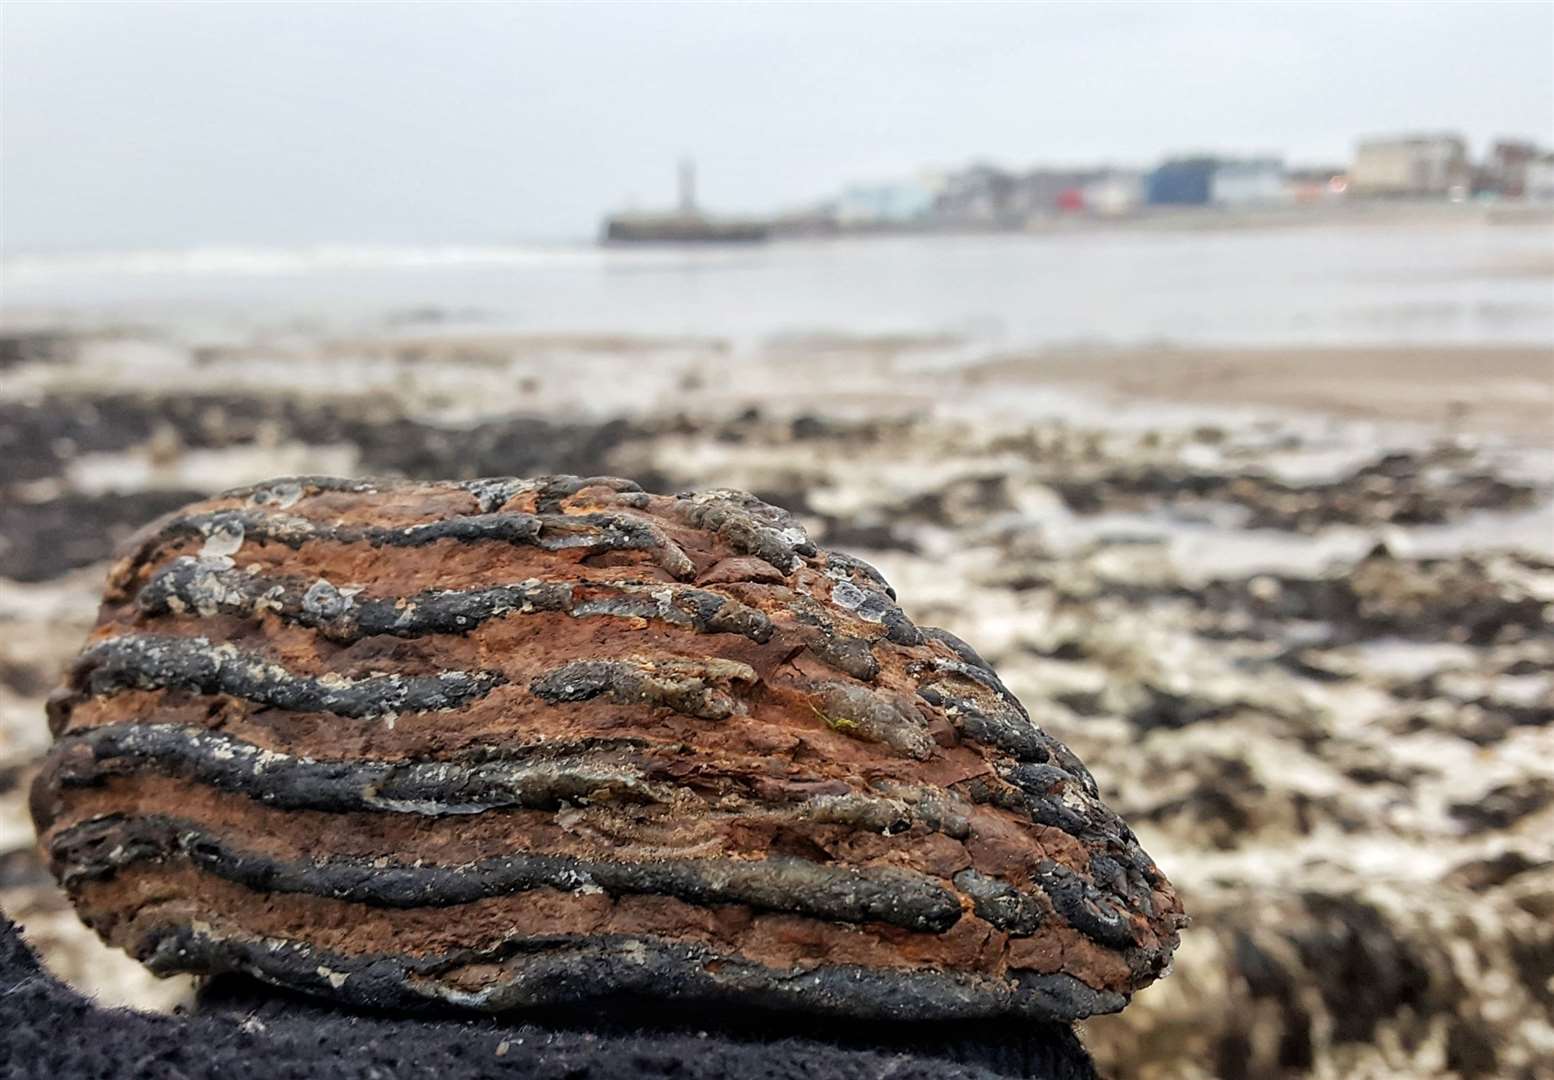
(1311, 661)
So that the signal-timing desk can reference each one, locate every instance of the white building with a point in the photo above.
(1410, 165)
(1114, 194)
(887, 204)
(1258, 182)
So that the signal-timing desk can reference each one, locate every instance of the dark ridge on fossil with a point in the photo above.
(778, 883)
(147, 662)
(571, 972)
(516, 742)
(592, 533)
(206, 587)
(429, 788)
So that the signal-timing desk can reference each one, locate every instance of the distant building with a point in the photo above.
(1505, 171)
(1314, 185)
(1538, 179)
(1114, 193)
(905, 203)
(1181, 182)
(1410, 165)
(1044, 192)
(978, 195)
(1257, 182)
(984, 196)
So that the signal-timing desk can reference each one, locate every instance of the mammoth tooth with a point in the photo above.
(513, 742)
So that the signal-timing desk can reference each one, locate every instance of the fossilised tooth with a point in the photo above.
(409, 744)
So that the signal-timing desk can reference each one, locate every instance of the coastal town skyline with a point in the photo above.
(1418, 167)
(225, 124)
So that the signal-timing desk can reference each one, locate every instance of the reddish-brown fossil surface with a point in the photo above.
(514, 742)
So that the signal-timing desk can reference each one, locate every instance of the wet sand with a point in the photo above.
(1487, 389)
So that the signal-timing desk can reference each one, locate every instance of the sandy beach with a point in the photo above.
(1175, 571)
(1293, 604)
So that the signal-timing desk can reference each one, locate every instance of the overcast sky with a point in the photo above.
(186, 124)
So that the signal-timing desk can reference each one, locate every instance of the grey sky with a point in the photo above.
(170, 124)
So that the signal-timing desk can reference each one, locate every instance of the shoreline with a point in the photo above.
(1447, 389)
(1360, 214)
(271, 258)
(1504, 389)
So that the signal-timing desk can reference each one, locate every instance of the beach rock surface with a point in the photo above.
(502, 743)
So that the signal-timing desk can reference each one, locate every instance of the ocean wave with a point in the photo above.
(262, 262)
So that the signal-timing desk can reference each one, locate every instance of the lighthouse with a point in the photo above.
(688, 187)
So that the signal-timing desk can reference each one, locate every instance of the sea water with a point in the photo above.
(1440, 283)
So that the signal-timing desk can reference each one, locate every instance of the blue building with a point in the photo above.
(1181, 182)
